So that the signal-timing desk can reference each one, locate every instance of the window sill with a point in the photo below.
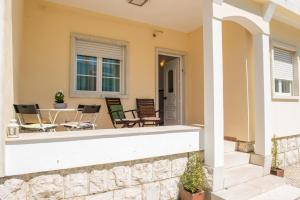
(277, 97)
(75, 94)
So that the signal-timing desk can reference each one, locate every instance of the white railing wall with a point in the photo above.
(86, 148)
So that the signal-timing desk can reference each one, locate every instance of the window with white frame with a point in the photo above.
(285, 67)
(98, 67)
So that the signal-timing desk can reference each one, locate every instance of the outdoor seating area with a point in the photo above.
(112, 99)
(32, 118)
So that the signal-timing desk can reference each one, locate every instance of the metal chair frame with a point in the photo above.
(31, 109)
(82, 111)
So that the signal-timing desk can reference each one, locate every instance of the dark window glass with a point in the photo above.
(110, 75)
(170, 81)
(86, 73)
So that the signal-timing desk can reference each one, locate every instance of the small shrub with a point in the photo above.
(275, 162)
(193, 179)
(59, 97)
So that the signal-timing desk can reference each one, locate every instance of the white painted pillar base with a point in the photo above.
(213, 94)
(264, 161)
(262, 94)
(214, 178)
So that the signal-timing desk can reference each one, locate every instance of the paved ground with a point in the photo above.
(292, 175)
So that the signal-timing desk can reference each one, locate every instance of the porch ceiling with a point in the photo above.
(287, 17)
(180, 15)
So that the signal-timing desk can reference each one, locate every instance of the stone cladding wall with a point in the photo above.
(148, 179)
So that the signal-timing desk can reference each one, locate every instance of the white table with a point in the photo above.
(54, 112)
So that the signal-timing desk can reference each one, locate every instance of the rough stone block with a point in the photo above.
(133, 193)
(291, 144)
(46, 187)
(151, 191)
(102, 196)
(161, 169)
(208, 172)
(4, 192)
(169, 189)
(282, 145)
(299, 154)
(123, 176)
(281, 160)
(178, 166)
(76, 184)
(76, 198)
(141, 173)
(245, 147)
(102, 181)
(298, 141)
(291, 157)
(13, 189)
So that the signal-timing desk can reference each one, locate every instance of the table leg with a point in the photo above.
(55, 116)
(50, 117)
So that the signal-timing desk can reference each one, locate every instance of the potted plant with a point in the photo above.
(193, 180)
(59, 100)
(275, 170)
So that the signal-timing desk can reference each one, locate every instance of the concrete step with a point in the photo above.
(286, 192)
(234, 159)
(229, 146)
(241, 174)
(250, 189)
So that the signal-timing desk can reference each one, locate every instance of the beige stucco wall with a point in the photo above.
(285, 114)
(194, 79)
(46, 53)
(17, 28)
(237, 58)
(237, 61)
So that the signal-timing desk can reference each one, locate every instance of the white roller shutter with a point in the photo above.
(99, 49)
(283, 66)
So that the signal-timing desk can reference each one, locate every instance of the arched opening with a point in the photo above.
(246, 23)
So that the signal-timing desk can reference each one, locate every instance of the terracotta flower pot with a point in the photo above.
(277, 172)
(185, 195)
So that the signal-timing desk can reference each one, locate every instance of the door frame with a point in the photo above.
(181, 90)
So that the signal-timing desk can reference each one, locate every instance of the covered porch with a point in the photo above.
(219, 57)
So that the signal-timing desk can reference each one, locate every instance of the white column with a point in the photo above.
(262, 93)
(213, 88)
(6, 74)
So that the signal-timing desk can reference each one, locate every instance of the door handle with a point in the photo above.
(165, 98)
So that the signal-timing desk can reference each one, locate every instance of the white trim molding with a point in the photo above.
(183, 62)
(252, 22)
(269, 11)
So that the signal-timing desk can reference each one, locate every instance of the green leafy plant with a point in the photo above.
(275, 162)
(59, 97)
(193, 179)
